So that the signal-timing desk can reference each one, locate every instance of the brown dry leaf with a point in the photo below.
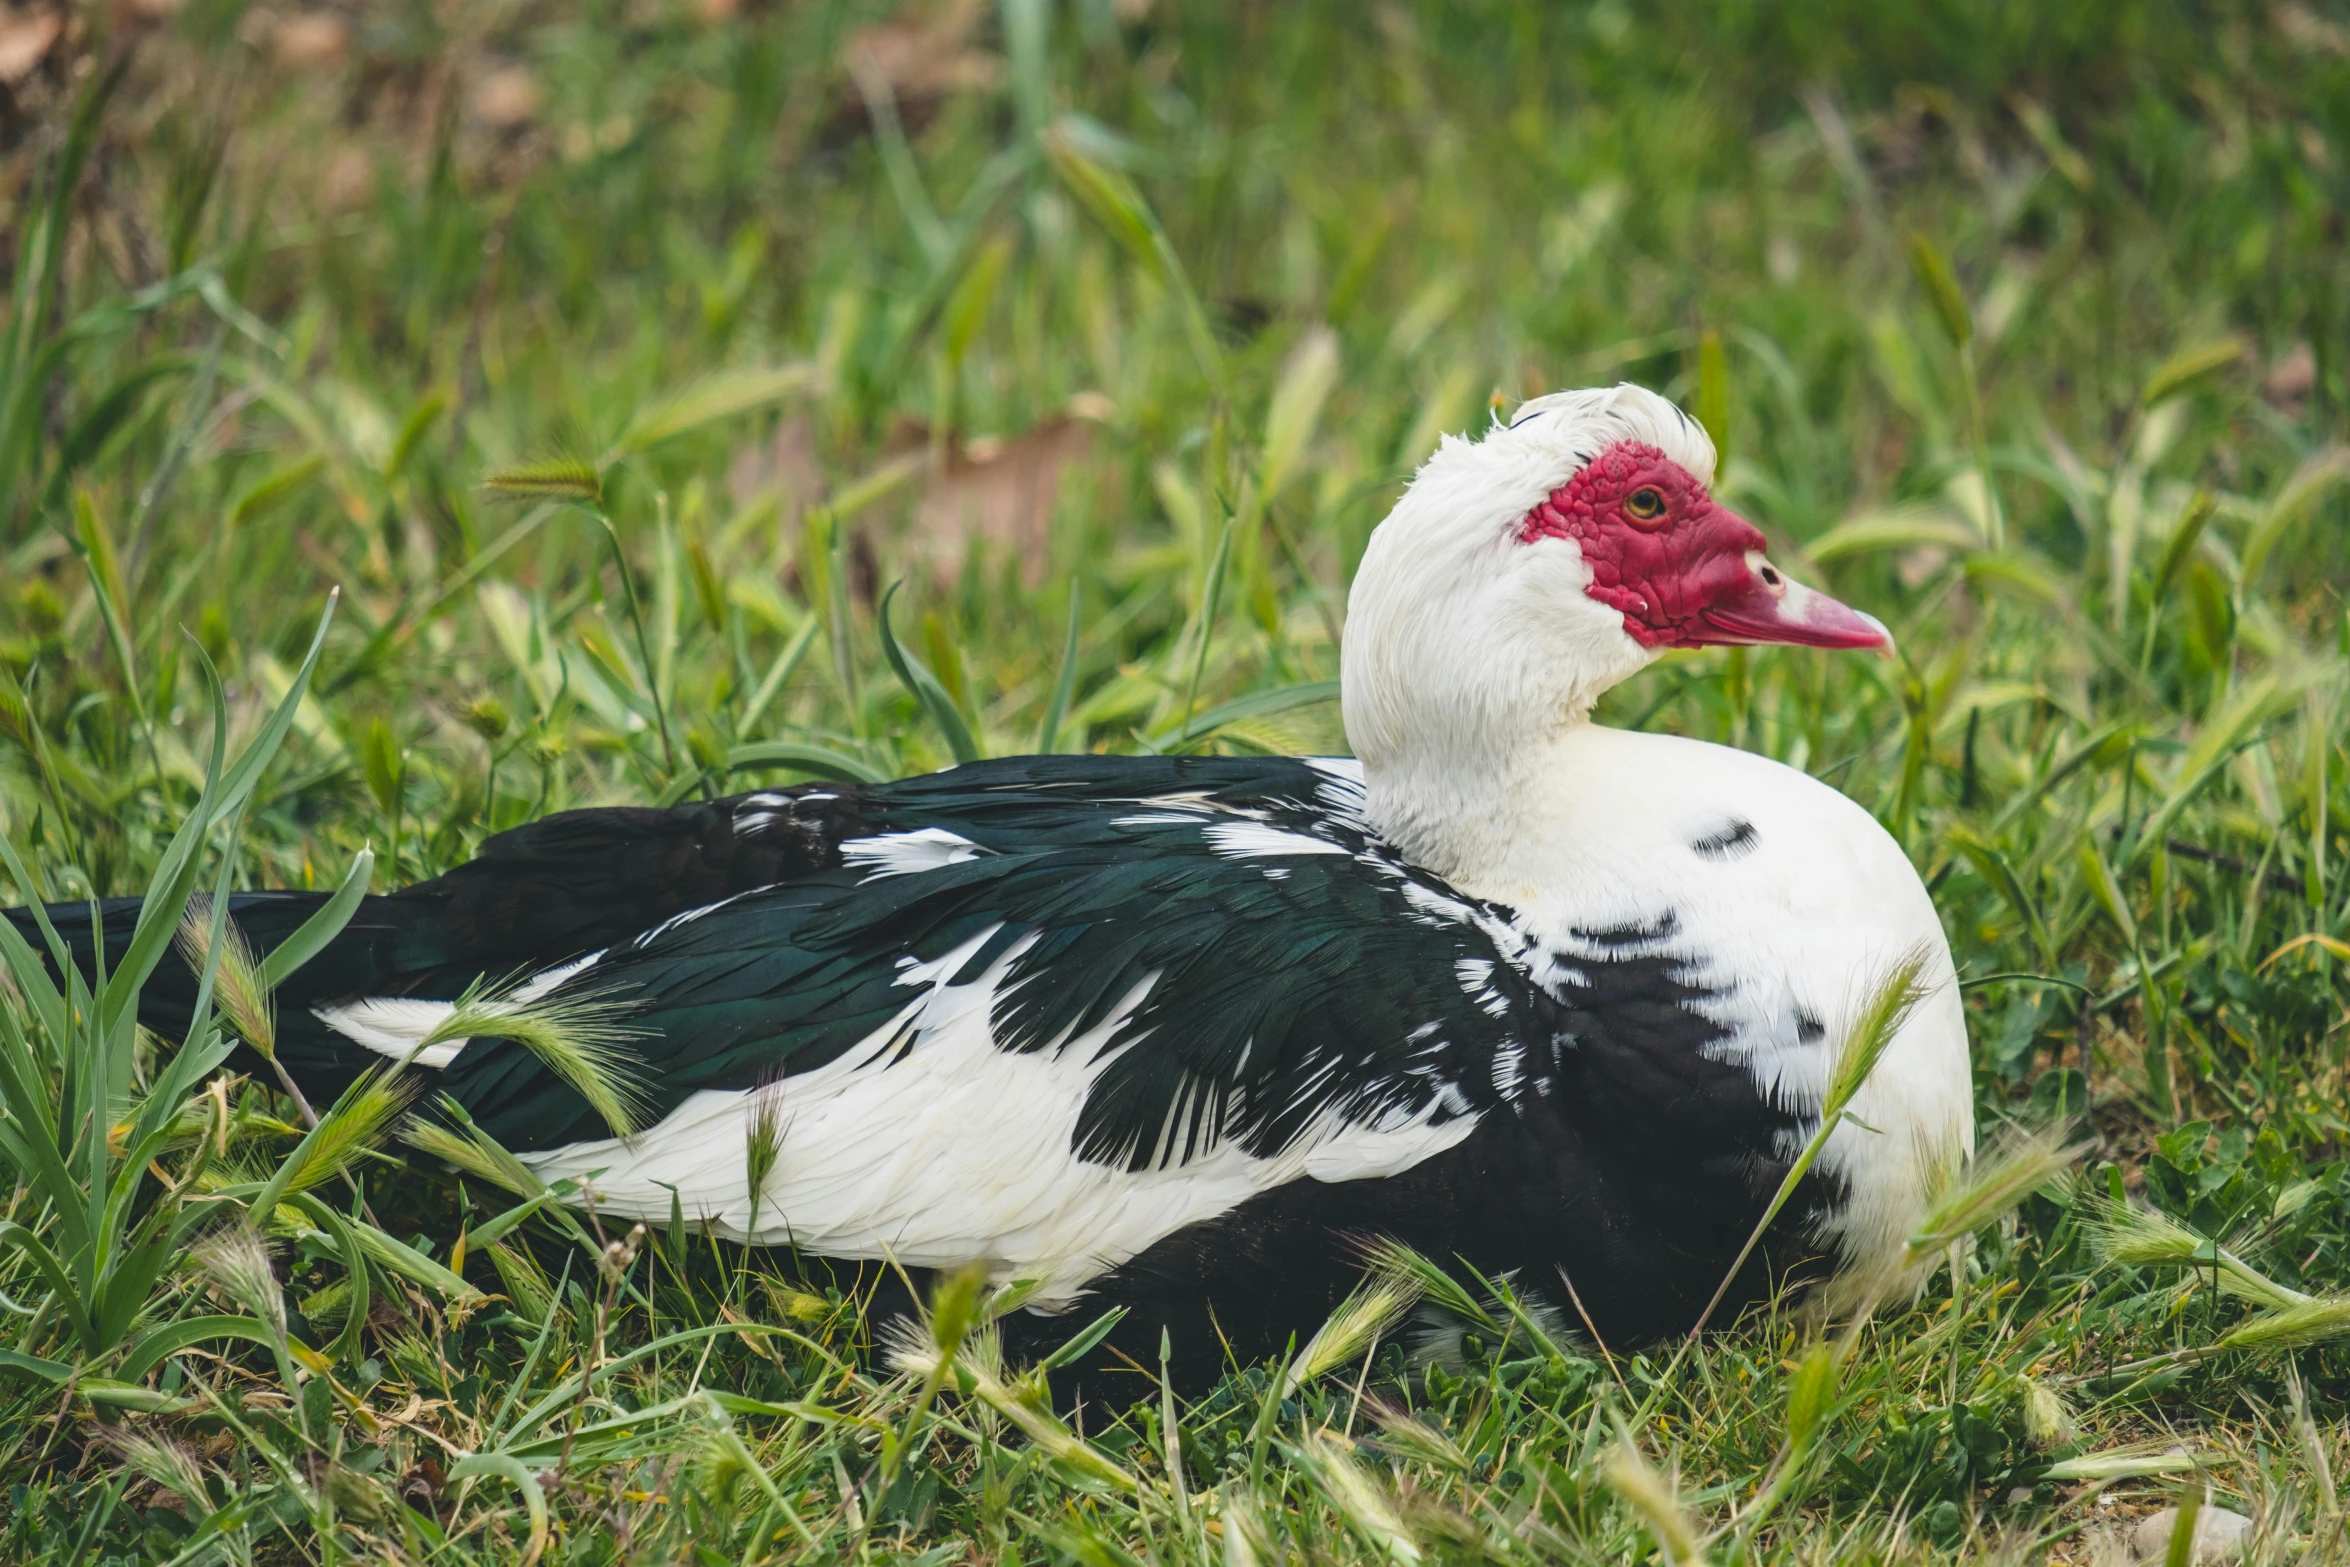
(507, 97)
(2292, 378)
(1920, 566)
(349, 181)
(425, 1481)
(1000, 491)
(2303, 27)
(925, 52)
(310, 40)
(785, 464)
(26, 37)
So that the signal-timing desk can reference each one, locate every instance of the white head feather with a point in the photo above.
(1465, 651)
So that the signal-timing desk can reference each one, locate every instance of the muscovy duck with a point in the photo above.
(1177, 1033)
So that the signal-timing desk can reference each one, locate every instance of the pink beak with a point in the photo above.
(1775, 610)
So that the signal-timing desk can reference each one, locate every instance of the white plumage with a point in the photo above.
(954, 1150)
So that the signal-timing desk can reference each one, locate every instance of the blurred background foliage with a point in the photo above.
(614, 359)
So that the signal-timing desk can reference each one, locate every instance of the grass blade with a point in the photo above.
(321, 928)
(1048, 733)
(924, 687)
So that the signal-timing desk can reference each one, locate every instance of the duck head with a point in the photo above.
(1522, 575)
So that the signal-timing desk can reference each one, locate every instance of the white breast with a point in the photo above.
(1793, 903)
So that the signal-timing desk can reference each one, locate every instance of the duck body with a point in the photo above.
(1531, 995)
(1176, 1034)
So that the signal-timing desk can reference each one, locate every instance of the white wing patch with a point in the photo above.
(545, 980)
(908, 853)
(755, 813)
(1341, 788)
(683, 917)
(1476, 977)
(1194, 803)
(394, 1026)
(923, 974)
(1256, 841)
(944, 1148)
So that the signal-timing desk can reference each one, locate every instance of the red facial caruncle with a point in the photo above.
(1684, 570)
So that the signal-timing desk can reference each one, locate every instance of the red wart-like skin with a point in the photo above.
(1683, 569)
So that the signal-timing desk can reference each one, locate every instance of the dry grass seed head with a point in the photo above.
(762, 1141)
(2000, 1177)
(1392, 1265)
(161, 1461)
(2292, 1327)
(1874, 1027)
(577, 1036)
(239, 1263)
(1361, 1500)
(1375, 1306)
(910, 1348)
(357, 1123)
(1656, 1498)
(238, 988)
(456, 1141)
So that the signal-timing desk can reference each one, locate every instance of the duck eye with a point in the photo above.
(1645, 504)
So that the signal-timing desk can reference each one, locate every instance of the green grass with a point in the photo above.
(612, 366)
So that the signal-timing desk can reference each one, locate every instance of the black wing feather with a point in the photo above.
(1281, 989)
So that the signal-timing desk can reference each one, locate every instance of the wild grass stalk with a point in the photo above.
(579, 1036)
(1885, 1007)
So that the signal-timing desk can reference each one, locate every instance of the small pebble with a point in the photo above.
(2220, 1536)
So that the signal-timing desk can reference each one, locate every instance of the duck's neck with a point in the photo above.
(1474, 817)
